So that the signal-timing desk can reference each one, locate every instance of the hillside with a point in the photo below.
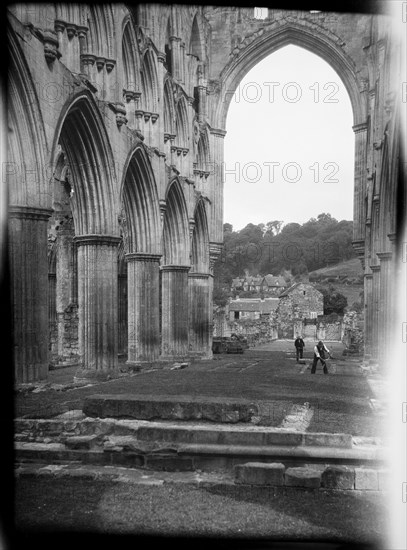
(346, 277)
(350, 268)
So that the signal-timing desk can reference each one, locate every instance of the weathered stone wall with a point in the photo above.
(352, 329)
(257, 331)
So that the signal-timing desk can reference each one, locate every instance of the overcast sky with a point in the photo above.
(291, 109)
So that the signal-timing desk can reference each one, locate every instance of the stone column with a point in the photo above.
(386, 309)
(143, 307)
(218, 136)
(376, 312)
(28, 246)
(174, 316)
(97, 301)
(122, 314)
(368, 313)
(175, 57)
(65, 266)
(200, 315)
(359, 214)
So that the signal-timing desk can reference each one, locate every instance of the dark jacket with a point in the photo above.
(299, 343)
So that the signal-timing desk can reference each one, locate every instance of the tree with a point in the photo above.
(334, 301)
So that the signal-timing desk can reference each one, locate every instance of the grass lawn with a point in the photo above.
(221, 511)
(272, 379)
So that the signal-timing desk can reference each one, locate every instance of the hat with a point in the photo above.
(320, 342)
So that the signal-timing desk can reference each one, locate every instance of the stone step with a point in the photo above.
(178, 433)
(248, 437)
(130, 452)
(169, 408)
(331, 477)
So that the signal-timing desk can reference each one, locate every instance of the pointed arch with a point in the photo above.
(181, 124)
(101, 40)
(310, 37)
(130, 58)
(169, 108)
(203, 158)
(149, 83)
(200, 240)
(195, 42)
(83, 138)
(176, 227)
(140, 202)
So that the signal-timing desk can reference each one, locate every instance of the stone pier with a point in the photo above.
(97, 300)
(143, 307)
(28, 234)
(174, 316)
(200, 315)
(66, 304)
(376, 324)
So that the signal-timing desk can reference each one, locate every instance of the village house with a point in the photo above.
(298, 309)
(272, 285)
(251, 308)
(268, 284)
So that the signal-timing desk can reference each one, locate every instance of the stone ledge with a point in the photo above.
(168, 408)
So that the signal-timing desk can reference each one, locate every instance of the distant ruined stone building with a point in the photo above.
(116, 126)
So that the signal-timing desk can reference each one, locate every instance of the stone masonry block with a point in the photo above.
(258, 473)
(302, 477)
(338, 477)
(328, 440)
(366, 480)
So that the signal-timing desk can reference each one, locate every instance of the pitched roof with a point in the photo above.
(256, 305)
(295, 285)
(271, 280)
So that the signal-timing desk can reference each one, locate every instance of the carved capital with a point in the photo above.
(51, 45)
(110, 63)
(88, 58)
(29, 212)
(176, 268)
(103, 240)
(71, 30)
(142, 257)
(100, 63)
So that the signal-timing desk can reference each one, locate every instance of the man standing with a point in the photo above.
(319, 355)
(299, 346)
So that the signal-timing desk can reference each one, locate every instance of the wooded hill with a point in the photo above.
(292, 250)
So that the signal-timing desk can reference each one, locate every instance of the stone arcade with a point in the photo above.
(116, 126)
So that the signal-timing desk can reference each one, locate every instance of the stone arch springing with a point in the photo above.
(200, 240)
(130, 59)
(140, 204)
(176, 227)
(85, 144)
(27, 145)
